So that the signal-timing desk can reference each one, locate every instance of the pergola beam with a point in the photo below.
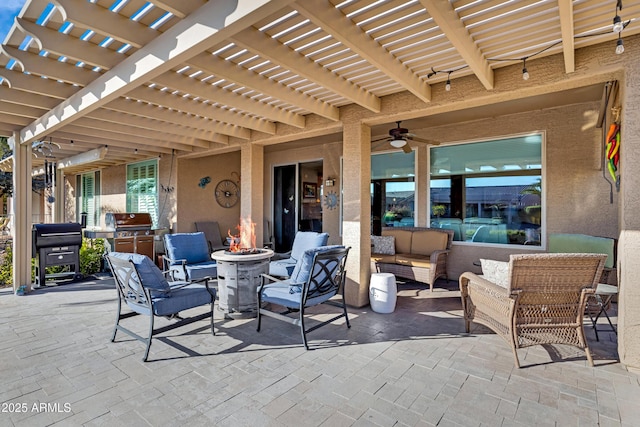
(211, 24)
(76, 49)
(166, 99)
(88, 15)
(234, 73)
(154, 112)
(256, 41)
(565, 8)
(343, 29)
(448, 21)
(228, 99)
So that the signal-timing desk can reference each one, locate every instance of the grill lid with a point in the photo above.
(53, 235)
(127, 221)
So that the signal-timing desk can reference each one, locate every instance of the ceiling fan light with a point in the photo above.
(398, 142)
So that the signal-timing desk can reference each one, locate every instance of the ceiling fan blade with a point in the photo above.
(375, 145)
(384, 138)
(424, 141)
(406, 148)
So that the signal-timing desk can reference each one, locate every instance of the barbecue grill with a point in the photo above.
(56, 244)
(132, 232)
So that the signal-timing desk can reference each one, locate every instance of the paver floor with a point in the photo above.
(413, 367)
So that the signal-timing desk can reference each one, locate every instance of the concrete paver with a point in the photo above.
(413, 367)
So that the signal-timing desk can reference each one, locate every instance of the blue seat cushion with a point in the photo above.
(192, 247)
(202, 269)
(194, 272)
(278, 293)
(150, 275)
(282, 267)
(189, 296)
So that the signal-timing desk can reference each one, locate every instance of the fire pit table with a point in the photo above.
(239, 278)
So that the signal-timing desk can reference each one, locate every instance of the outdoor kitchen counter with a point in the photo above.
(239, 276)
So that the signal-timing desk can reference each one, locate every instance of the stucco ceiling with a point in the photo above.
(198, 77)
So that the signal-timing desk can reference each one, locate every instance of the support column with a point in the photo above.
(356, 220)
(629, 242)
(252, 186)
(422, 190)
(21, 230)
(58, 193)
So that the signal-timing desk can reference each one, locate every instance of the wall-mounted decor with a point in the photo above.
(227, 193)
(331, 200)
(309, 190)
(204, 181)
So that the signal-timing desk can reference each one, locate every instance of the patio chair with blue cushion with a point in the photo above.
(187, 257)
(143, 288)
(318, 276)
(212, 234)
(282, 264)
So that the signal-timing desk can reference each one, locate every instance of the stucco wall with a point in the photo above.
(195, 203)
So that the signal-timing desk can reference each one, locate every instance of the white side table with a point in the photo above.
(383, 292)
(598, 303)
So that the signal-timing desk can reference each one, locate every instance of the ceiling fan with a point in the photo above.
(399, 138)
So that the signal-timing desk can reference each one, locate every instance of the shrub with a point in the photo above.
(91, 254)
(6, 267)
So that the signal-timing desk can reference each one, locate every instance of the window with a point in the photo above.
(88, 185)
(392, 190)
(142, 188)
(489, 192)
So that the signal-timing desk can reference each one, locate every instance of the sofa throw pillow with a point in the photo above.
(496, 271)
(384, 245)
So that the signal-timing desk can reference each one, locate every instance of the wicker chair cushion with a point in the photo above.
(403, 239)
(384, 245)
(496, 272)
(425, 242)
(389, 259)
(422, 261)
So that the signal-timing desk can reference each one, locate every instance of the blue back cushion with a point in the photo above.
(306, 240)
(302, 270)
(149, 273)
(192, 247)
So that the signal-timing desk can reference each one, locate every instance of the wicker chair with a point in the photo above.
(543, 301)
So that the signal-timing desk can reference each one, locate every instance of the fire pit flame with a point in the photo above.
(245, 242)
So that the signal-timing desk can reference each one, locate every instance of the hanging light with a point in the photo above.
(617, 24)
(619, 46)
(525, 73)
(447, 86)
(398, 142)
